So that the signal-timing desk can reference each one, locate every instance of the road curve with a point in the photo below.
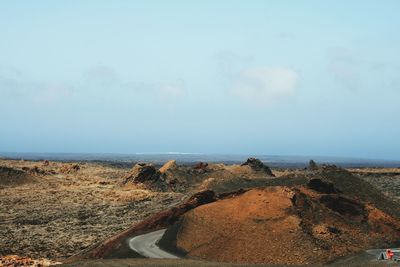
(146, 245)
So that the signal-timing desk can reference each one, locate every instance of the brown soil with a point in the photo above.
(67, 209)
(116, 246)
(14, 260)
(13, 177)
(281, 225)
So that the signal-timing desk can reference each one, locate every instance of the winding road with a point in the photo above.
(146, 245)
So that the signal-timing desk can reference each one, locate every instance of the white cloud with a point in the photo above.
(170, 94)
(265, 85)
(16, 86)
(172, 90)
(98, 85)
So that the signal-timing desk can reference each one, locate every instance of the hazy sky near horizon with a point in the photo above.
(248, 77)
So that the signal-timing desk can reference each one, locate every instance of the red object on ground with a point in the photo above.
(389, 254)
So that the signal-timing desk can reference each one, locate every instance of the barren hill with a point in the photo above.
(284, 225)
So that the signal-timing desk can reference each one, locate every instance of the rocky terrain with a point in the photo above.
(14, 260)
(68, 209)
(334, 214)
(55, 210)
(385, 179)
(282, 225)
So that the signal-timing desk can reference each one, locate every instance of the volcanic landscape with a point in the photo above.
(84, 213)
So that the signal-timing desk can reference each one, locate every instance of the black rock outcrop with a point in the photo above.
(142, 173)
(257, 165)
(312, 166)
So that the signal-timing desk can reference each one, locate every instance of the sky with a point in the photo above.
(244, 77)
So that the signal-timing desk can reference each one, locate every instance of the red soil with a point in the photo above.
(281, 225)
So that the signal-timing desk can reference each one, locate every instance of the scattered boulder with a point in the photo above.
(148, 175)
(257, 165)
(46, 163)
(70, 168)
(170, 165)
(37, 171)
(142, 173)
(200, 166)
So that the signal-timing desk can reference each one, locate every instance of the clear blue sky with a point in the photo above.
(253, 77)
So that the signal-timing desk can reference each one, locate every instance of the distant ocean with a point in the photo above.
(189, 158)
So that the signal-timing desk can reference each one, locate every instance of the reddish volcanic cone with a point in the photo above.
(282, 225)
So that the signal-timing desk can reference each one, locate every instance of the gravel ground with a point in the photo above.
(385, 179)
(61, 214)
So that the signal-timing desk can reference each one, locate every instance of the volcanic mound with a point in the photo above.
(13, 177)
(284, 225)
(174, 177)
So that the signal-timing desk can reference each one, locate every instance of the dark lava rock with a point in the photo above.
(202, 197)
(312, 166)
(334, 230)
(302, 202)
(322, 186)
(356, 187)
(343, 205)
(148, 175)
(142, 173)
(257, 165)
(200, 166)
